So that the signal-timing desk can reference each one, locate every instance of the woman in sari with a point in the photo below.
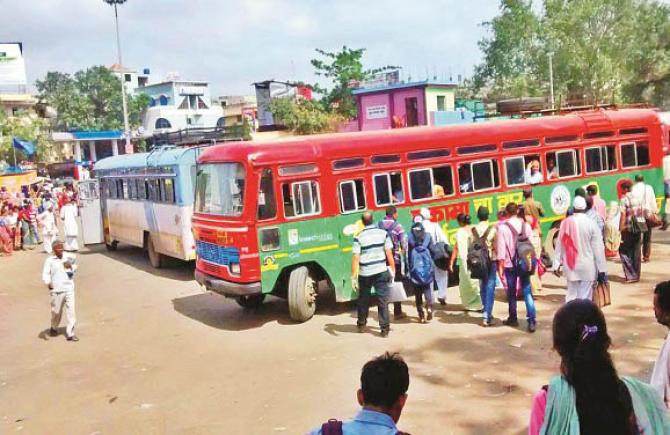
(6, 240)
(468, 287)
(612, 233)
(536, 241)
(27, 241)
(589, 397)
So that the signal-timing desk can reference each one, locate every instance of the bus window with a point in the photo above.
(443, 181)
(385, 159)
(168, 190)
(485, 175)
(600, 159)
(388, 189)
(141, 189)
(269, 239)
(634, 154)
(514, 171)
(420, 184)
(220, 189)
(562, 164)
(352, 196)
(132, 188)
(120, 189)
(301, 199)
(267, 205)
(348, 163)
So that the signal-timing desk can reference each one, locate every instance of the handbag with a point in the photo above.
(653, 220)
(601, 294)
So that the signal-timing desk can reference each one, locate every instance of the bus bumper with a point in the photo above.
(227, 288)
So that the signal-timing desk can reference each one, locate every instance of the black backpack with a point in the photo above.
(478, 259)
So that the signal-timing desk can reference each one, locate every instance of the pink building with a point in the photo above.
(403, 104)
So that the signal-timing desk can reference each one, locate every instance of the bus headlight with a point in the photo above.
(235, 268)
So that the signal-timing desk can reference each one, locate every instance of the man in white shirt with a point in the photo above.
(68, 215)
(660, 377)
(581, 252)
(533, 174)
(645, 194)
(57, 274)
(666, 191)
(47, 221)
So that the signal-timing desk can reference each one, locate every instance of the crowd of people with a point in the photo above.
(508, 254)
(29, 218)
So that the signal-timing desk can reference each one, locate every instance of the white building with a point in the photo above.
(178, 104)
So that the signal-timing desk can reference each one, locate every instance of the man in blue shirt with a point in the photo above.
(383, 393)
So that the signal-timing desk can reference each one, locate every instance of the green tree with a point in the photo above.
(89, 100)
(342, 68)
(304, 116)
(603, 51)
(25, 127)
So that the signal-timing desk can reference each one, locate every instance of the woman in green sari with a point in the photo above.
(589, 397)
(468, 287)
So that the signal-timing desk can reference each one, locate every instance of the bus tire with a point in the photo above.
(155, 258)
(250, 302)
(111, 247)
(301, 294)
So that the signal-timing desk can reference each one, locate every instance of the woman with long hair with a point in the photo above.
(589, 397)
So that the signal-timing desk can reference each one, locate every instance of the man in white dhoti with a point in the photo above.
(47, 221)
(660, 377)
(581, 252)
(68, 215)
(57, 274)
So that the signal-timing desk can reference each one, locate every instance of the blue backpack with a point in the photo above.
(421, 269)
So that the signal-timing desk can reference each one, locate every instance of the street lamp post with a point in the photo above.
(551, 78)
(126, 129)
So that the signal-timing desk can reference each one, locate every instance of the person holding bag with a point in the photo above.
(632, 225)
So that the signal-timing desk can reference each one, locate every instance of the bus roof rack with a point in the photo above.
(195, 136)
(563, 110)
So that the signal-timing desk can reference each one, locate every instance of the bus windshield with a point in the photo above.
(220, 189)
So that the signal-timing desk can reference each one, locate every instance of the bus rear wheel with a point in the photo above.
(250, 302)
(155, 258)
(301, 294)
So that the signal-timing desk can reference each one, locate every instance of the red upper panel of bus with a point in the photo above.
(341, 145)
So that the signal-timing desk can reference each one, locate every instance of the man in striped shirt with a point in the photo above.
(372, 265)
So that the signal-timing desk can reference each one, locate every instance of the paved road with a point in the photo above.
(158, 355)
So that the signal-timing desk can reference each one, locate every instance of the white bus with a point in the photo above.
(147, 201)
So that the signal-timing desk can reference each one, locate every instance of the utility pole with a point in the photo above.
(551, 78)
(126, 128)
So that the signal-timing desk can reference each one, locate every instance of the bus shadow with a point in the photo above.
(224, 313)
(137, 258)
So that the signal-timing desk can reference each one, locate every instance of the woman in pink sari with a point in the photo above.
(6, 239)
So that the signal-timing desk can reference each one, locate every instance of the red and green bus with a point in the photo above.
(279, 217)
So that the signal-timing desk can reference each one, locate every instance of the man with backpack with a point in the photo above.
(398, 237)
(481, 261)
(516, 262)
(371, 266)
(382, 396)
(440, 251)
(581, 252)
(421, 269)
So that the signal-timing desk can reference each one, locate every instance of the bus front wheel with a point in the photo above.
(155, 258)
(301, 294)
(250, 302)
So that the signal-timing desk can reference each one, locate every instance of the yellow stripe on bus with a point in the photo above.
(281, 255)
(347, 249)
(319, 249)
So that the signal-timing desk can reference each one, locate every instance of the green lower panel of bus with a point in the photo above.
(324, 244)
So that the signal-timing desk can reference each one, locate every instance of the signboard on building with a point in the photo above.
(381, 79)
(191, 90)
(12, 66)
(379, 111)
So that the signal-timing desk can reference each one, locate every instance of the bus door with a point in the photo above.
(91, 216)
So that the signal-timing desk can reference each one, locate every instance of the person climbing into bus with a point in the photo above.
(439, 240)
(371, 266)
(398, 237)
(533, 175)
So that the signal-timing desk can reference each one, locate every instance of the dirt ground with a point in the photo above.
(159, 356)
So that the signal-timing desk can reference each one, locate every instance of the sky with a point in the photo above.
(232, 44)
